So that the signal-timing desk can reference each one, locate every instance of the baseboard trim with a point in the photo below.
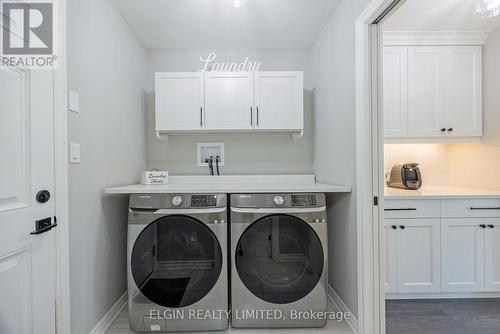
(110, 316)
(339, 303)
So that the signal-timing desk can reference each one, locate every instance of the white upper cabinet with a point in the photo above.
(229, 100)
(395, 91)
(179, 101)
(279, 100)
(425, 97)
(463, 90)
(433, 91)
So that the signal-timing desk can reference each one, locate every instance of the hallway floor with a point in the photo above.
(443, 316)
(120, 326)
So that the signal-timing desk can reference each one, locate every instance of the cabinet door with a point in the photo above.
(418, 255)
(229, 100)
(425, 95)
(463, 90)
(462, 254)
(179, 99)
(492, 255)
(279, 100)
(390, 250)
(395, 91)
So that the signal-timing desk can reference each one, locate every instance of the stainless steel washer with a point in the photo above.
(279, 260)
(177, 262)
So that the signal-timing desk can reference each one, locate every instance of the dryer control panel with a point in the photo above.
(177, 201)
(297, 200)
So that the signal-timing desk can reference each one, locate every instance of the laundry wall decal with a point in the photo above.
(209, 64)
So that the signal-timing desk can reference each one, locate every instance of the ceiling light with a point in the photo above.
(488, 8)
(239, 3)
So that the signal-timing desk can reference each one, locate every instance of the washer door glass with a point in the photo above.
(279, 258)
(176, 261)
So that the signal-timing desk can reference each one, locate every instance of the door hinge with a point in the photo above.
(375, 201)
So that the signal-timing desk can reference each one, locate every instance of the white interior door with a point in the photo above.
(395, 81)
(418, 255)
(179, 99)
(462, 254)
(27, 261)
(390, 257)
(492, 255)
(463, 90)
(229, 101)
(279, 100)
(425, 97)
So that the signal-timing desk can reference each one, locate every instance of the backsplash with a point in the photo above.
(434, 160)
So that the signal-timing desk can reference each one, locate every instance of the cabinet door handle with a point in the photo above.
(443, 129)
(491, 226)
(401, 209)
(394, 227)
(491, 208)
(450, 129)
(251, 116)
(257, 116)
(402, 227)
(201, 116)
(482, 226)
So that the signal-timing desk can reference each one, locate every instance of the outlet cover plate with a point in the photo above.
(206, 150)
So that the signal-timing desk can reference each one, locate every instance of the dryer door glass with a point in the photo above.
(279, 258)
(176, 261)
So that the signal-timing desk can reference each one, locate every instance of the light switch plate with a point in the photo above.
(73, 101)
(74, 153)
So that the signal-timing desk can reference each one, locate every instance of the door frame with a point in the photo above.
(62, 283)
(369, 165)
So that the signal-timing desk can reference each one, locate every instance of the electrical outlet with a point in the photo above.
(207, 150)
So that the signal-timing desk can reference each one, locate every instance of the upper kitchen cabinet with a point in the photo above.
(435, 93)
(229, 101)
(279, 100)
(179, 101)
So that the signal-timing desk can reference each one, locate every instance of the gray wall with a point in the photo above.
(244, 153)
(106, 65)
(333, 86)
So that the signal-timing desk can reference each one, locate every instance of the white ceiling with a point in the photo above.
(214, 24)
(440, 15)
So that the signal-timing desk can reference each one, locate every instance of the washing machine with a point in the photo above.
(279, 260)
(177, 262)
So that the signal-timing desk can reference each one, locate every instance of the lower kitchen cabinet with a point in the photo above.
(492, 254)
(462, 254)
(412, 255)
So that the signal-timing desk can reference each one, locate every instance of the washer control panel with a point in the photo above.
(284, 200)
(203, 201)
(177, 201)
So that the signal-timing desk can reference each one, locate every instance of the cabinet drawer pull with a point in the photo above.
(482, 226)
(201, 116)
(251, 116)
(490, 208)
(257, 116)
(401, 209)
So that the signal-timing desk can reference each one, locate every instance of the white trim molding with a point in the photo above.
(435, 37)
(110, 316)
(342, 307)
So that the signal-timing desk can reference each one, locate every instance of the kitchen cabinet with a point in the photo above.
(463, 254)
(229, 102)
(395, 87)
(492, 254)
(279, 100)
(179, 101)
(436, 92)
(413, 255)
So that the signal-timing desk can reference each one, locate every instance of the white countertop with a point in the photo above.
(234, 184)
(440, 193)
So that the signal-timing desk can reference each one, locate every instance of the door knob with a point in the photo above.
(43, 196)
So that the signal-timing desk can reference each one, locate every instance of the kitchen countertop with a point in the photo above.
(440, 193)
(234, 184)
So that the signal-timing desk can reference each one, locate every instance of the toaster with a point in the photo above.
(405, 176)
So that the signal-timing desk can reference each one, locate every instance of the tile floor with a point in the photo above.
(443, 316)
(120, 326)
